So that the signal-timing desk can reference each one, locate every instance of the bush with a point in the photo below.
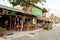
(1, 29)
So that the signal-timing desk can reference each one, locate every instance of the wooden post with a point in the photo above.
(15, 24)
(10, 21)
(21, 25)
(23, 22)
(34, 22)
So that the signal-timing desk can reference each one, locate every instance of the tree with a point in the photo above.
(24, 2)
(15, 2)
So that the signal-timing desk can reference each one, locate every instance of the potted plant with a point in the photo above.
(1, 31)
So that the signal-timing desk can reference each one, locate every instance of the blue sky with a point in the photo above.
(53, 5)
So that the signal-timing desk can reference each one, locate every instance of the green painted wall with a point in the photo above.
(36, 11)
(12, 12)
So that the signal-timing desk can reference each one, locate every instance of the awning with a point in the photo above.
(44, 18)
(13, 9)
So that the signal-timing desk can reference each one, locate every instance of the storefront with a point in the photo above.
(19, 21)
(45, 23)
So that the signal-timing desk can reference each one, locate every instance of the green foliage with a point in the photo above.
(24, 2)
(35, 1)
(15, 2)
(1, 29)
